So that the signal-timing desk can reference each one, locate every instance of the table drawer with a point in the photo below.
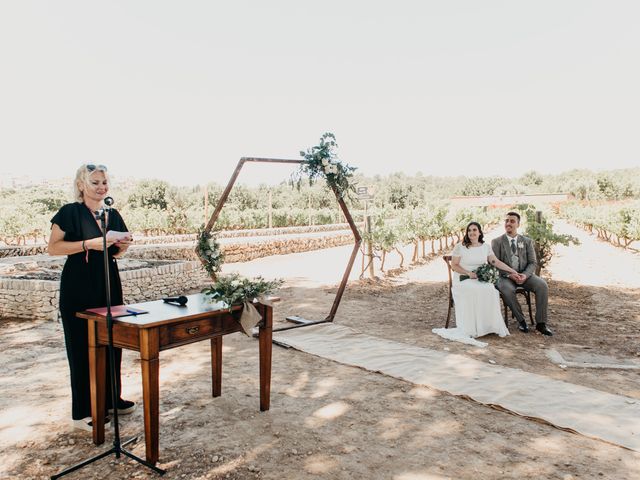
(191, 330)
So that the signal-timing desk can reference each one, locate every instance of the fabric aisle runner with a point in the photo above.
(612, 418)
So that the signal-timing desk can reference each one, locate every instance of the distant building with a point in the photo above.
(19, 181)
(537, 199)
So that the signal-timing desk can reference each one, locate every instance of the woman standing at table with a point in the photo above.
(77, 233)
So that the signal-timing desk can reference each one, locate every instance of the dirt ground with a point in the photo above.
(330, 421)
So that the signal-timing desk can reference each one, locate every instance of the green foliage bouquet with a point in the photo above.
(209, 251)
(322, 161)
(233, 289)
(486, 273)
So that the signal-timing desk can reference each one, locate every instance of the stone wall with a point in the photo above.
(153, 283)
(38, 299)
(239, 251)
(244, 252)
(23, 250)
(259, 232)
(32, 299)
(140, 240)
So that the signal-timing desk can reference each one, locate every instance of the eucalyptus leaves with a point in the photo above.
(322, 161)
(233, 289)
(209, 251)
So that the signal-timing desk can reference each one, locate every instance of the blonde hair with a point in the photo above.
(83, 174)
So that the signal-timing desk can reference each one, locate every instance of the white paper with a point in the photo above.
(115, 236)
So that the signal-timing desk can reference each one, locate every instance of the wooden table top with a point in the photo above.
(160, 313)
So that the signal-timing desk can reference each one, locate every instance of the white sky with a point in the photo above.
(180, 90)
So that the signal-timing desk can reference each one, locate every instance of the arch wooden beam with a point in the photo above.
(343, 207)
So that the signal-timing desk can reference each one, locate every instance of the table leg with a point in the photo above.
(265, 344)
(216, 366)
(149, 353)
(97, 371)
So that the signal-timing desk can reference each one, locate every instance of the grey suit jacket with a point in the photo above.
(526, 253)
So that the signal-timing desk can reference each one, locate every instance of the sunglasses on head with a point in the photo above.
(101, 168)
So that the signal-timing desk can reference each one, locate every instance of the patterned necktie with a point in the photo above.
(513, 246)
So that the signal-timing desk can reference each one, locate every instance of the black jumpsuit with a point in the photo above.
(82, 286)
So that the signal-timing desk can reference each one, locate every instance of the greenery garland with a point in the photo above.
(209, 251)
(322, 161)
(233, 289)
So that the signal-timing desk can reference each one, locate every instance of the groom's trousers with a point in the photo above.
(534, 284)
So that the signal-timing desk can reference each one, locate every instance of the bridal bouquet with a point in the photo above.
(486, 273)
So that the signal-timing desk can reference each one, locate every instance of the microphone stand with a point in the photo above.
(118, 446)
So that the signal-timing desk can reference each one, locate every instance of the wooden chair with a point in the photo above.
(447, 260)
(519, 290)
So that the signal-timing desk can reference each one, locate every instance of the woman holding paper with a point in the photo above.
(77, 233)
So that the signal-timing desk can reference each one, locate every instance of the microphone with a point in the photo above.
(181, 300)
(108, 201)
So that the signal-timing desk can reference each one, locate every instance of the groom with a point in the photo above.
(517, 251)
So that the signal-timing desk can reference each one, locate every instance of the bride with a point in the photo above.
(477, 304)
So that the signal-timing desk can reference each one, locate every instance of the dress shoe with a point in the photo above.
(125, 407)
(86, 424)
(522, 326)
(542, 328)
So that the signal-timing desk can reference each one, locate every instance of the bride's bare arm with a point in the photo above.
(456, 267)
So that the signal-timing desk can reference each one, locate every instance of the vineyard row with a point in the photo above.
(617, 223)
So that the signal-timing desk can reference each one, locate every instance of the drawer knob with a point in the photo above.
(193, 330)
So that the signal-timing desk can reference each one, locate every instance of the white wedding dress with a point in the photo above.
(477, 304)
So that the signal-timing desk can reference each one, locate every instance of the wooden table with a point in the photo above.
(168, 326)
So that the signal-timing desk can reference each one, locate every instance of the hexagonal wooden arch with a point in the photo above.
(356, 234)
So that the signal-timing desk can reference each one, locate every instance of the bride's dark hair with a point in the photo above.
(466, 241)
